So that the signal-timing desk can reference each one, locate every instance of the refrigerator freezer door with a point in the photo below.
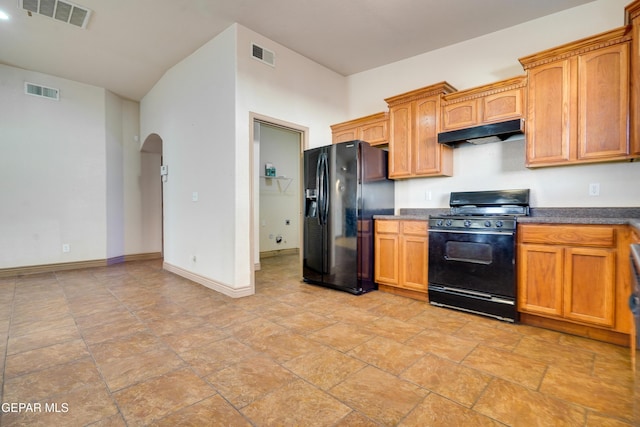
(342, 231)
(314, 245)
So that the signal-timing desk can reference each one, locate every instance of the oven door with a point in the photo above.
(481, 262)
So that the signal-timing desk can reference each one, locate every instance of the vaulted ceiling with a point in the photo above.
(129, 44)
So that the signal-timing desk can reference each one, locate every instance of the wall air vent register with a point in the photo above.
(63, 11)
(263, 55)
(41, 91)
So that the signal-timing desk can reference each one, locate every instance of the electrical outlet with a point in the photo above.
(194, 258)
(66, 248)
(594, 189)
(428, 195)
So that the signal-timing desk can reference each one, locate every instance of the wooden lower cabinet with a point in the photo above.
(387, 252)
(573, 283)
(401, 257)
(573, 276)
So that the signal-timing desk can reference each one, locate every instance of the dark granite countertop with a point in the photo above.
(612, 216)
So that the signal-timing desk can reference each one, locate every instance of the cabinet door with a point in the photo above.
(589, 291)
(460, 115)
(430, 157)
(634, 134)
(345, 135)
(374, 133)
(414, 255)
(502, 106)
(386, 252)
(549, 110)
(400, 118)
(603, 94)
(540, 279)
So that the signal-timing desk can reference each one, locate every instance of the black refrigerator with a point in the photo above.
(345, 185)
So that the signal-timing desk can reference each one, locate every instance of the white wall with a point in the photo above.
(52, 171)
(501, 165)
(64, 174)
(298, 91)
(192, 108)
(115, 176)
(201, 108)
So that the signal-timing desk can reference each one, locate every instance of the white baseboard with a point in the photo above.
(223, 288)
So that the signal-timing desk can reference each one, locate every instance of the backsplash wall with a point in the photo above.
(500, 165)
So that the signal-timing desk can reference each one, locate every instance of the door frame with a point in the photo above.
(255, 173)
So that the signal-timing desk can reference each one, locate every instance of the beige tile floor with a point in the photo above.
(134, 345)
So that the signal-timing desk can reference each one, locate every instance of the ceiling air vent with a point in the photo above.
(41, 91)
(263, 55)
(64, 11)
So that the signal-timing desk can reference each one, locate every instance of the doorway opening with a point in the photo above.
(277, 187)
(152, 204)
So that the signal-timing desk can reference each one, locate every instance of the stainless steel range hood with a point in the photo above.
(493, 132)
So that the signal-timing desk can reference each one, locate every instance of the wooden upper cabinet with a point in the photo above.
(460, 115)
(495, 102)
(578, 101)
(414, 123)
(427, 159)
(603, 102)
(400, 137)
(632, 12)
(548, 135)
(373, 129)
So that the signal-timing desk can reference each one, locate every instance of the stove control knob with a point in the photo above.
(499, 223)
(448, 223)
(487, 223)
(467, 223)
(439, 223)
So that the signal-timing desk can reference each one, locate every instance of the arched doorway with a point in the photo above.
(152, 203)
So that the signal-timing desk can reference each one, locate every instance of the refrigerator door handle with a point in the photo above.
(319, 188)
(323, 186)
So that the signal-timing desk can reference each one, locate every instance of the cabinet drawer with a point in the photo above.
(416, 228)
(383, 226)
(580, 235)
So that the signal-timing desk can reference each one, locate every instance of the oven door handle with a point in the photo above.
(470, 293)
(469, 260)
(497, 233)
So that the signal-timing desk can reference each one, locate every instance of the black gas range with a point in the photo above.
(472, 252)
